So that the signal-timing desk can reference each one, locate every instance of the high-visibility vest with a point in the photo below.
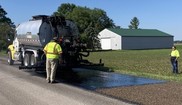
(175, 53)
(52, 50)
(12, 49)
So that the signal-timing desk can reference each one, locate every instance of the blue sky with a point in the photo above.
(164, 15)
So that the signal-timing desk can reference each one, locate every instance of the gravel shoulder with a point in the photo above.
(168, 93)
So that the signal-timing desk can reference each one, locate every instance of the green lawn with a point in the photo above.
(146, 63)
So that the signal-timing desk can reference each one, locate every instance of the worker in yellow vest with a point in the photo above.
(174, 59)
(53, 51)
(12, 50)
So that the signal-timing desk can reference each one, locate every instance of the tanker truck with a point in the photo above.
(31, 37)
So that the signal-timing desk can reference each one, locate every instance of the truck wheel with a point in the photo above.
(10, 60)
(26, 59)
(33, 60)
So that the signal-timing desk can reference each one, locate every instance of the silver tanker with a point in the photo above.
(33, 35)
(40, 30)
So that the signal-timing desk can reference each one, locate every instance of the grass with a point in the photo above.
(3, 53)
(145, 63)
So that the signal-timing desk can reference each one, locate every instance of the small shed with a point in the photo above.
(125, 39)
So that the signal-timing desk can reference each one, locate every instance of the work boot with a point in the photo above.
(53, 82)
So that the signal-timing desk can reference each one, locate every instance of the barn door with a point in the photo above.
(106, 43)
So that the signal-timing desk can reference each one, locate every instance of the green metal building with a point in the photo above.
(124, 39)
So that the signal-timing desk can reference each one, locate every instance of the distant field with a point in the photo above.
(146, 63)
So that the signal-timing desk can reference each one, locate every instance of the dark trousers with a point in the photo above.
(174, 63)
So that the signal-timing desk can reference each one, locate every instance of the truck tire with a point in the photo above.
(26, 60)
(33, 60)
(10, 60)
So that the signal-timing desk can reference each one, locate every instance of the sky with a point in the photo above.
(164, 15)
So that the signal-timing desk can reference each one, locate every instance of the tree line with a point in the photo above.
(89, 21)
(7, 29)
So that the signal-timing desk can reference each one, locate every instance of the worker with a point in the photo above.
(53, 52)
(174, 59)
(12, 50)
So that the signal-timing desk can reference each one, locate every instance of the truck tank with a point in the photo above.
(41, 29)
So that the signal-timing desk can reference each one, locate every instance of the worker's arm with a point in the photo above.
(45, 49)
(177, 54)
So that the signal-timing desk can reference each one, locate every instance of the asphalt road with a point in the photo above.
(26, 87)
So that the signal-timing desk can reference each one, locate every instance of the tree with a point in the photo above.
(64, 9)
(92, 37)
(100, 19)
(6, 29)
(134, 23)
(87, 20)
(81, 17)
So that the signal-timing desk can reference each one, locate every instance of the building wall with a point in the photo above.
(116, 42)
(146, 42)
(107, 37)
